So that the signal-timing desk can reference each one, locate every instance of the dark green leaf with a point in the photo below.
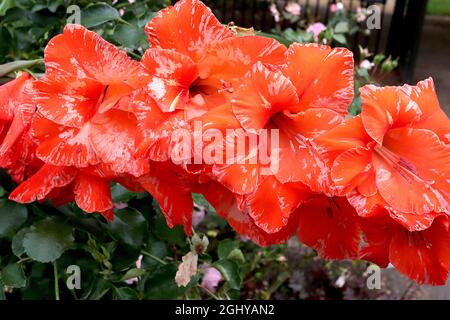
(48, 239)
(12, 216)
(236, 255)
(124, 293)
(121, 194)
(133, 273)
(130, 227)
(225, 247)
(17, 242)
(17, 65)
(341, 27)
(163, 232)
(230, 272)
(97, 14)
(13, 276)
(2, 291)
(129, 35)
(156, 249)
(201, 201)
(161, 284)
(5, 5)
(339, 38)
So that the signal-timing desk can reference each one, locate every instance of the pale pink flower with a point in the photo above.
(120, 205)
(139, 266)
(275, 13)
(316, 29)
(366, 64)
(198, 216)
(360, 14)
(139, 262)
(211, 279)
(337, 7)
(244, 238)
(121, 12)
(293, 8)
(131, 1)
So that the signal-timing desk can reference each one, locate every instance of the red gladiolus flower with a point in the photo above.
(80, 123)
(256, 128)
(392, 149)
(423, 256)
(16, 112)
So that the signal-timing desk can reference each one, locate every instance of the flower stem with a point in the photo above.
(55, 274)
(153, 257)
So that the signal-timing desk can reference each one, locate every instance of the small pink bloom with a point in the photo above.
(120, 205)
(121, 12)
(211, 279)
(316, 29)
(198, 216)
(360, 15)
(293, 8)
(275, 13)
(244, 238)
(366, 64)
(337, 7)
(139, 266)
(139, 262)
(131, 1)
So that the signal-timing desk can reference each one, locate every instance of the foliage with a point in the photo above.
(45, 238)
(438, 7)
(27, 25)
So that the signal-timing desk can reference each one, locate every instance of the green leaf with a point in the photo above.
(129, 35)
(2, 291)
(236, 255)
(121, 194)
(97, 14)
(5, 5)
(17, 65)
(230, 272)
(378, 58)
(362, 72)
(99, 289)
(161, 284)
(13, 276)
(133, 273)
(339, 38)
(48, 239)
(341, 27)
(130, 227)
(225, 247)
(200, 200)
(173, 235)
(124, 293)
(156, 249)
(12, 216)
(17, 242)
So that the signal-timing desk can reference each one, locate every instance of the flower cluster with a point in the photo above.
(374, 186)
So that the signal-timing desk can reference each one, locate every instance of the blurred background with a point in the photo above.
(394, 42)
